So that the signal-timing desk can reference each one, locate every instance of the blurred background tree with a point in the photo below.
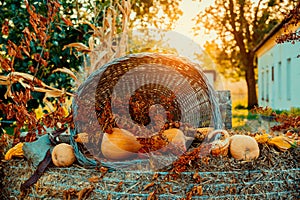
(160, 14)
(240, 25)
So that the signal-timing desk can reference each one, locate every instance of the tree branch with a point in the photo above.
(238, 35)
(255, 21)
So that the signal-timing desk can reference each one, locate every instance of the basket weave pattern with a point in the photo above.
(122, 93)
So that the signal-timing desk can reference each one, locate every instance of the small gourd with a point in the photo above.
(63, 155)
(220, 147)
(243, 147)
(15, 151)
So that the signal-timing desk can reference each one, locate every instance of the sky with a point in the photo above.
(184, 40)
(185, 24)
(182, 37)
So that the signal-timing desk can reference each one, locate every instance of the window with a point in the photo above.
(272, 73)
(279, 81)
(288, 79)
(267, 85)
(262, 85)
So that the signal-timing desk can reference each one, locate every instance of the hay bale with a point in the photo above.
(274, 175)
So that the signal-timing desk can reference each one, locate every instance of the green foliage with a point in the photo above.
(59, 34)
(240, 107)
(14, 13)
(33, 36)
(293, 111)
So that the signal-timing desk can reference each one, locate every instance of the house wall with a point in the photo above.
(279, 75)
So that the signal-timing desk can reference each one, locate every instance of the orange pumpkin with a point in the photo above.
(119, 145)
(243, 147)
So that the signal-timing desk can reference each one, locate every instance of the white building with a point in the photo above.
(278, 71)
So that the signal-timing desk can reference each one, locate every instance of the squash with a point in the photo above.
(176, 137)
(119, 145)
(63, 155)
(243, 147)
(220, 147)
(201, 133)
(15, 151)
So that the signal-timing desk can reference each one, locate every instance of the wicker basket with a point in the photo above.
(121, 93)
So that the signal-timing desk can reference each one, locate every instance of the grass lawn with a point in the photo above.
(240, 114)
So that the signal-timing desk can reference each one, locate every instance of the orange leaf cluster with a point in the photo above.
(185, 160)
(286, 122)
(18, 110)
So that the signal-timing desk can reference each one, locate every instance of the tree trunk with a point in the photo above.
(251, 83)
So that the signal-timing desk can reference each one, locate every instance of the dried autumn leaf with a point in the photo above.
(197, 177)
(118, 188)
(5, 64)
(94, 179)
(22, 77)
(43, 62)
(78, 46)
(282, 143)
(148, 185)
(85, 192)
(155, 176)
(103, 169)
(199, 190)
(25, 50)
(15, 151)
(11, 48)
(4, 80)
(27, 34)
(67, 194)
(262, 139)
(151, 195)
(66, 71)
(5, 28)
